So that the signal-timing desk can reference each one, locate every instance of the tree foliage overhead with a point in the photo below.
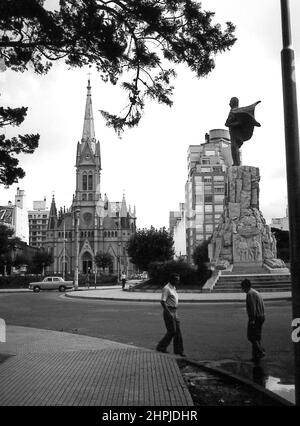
(129, 42)
(10, 172)
(150, 245)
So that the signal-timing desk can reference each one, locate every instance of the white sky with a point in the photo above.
(150, 161)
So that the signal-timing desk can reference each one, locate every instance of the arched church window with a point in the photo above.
(90, 197)
(90, 182)
(108, 234)
(83, 197)
(84, 182)
(59, 235)
(104, 234)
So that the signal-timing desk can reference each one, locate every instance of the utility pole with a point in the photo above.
(292, 169)
(64, 251)
(77, 211)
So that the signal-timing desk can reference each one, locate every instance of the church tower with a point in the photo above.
(92, 225)
(88, 160)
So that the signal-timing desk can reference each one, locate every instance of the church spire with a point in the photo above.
(52, 221)
(123, 212)
(88, 132)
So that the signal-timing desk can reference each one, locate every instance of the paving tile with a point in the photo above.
(116, 377)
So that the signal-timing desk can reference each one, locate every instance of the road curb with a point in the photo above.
(122, 299)
(235, 377)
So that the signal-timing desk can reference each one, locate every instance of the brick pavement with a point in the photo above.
(53, 368)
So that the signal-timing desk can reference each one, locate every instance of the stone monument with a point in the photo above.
(242, 238)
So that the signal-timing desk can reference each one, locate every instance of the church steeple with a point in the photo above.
(52, 222)
(88, 133)
(88, 159)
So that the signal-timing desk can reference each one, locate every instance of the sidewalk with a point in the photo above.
(41, 367)
(116, 293)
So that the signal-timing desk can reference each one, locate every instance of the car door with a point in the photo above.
(47, 284)
(56, 283)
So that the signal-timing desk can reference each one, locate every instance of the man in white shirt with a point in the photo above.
(123, 279)
(256, 318)
(169, 302)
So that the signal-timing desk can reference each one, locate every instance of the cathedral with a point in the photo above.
(93, 224)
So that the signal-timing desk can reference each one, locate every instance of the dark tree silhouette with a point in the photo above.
(135, 39)
(103, 260)
(150, 245)
(129, 42)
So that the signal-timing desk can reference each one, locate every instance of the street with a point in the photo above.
(210, 331)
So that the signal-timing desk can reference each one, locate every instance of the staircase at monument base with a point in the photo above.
(262, 282)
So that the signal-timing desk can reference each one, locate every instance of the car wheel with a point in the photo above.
(62, 288)
(36, 289)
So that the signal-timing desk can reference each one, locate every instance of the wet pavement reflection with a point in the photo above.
(258, 373)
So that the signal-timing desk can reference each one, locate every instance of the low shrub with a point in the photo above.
(159, 273)
(22, 281)
(18, 281)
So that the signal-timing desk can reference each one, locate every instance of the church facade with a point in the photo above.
(92, 224)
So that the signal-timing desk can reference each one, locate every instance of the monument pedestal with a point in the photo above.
(242, 237)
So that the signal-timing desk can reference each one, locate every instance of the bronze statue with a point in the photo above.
(241, 123)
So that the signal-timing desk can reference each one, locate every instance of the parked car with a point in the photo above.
(51, 283)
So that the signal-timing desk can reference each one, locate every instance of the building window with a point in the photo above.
(205, 161)
(218, 178)
(219, 198)
(208, 198)
(219, 208)
(84, 182)
(209, 228)
(90, 182)
(217, 169)
(219, 190)
(208, 208)
(83, 197)
(207, 179)
(90, 196)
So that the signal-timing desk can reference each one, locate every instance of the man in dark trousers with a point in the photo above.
(169, 302)
(256, 318)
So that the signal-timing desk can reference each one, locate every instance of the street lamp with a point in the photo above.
(292, 169)
(77, 212)
(118, 264)
(64, 252)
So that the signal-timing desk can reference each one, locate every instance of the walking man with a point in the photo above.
(169, 302)
(123, 279)
(256, 318)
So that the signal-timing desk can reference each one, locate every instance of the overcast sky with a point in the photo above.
(149, 163)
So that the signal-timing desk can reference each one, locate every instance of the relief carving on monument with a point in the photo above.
(247, 249)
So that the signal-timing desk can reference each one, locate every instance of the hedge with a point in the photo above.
(159, 273)
(22, 281)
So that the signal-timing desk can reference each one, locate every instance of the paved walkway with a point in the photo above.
(42, 367)
(116, 293)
